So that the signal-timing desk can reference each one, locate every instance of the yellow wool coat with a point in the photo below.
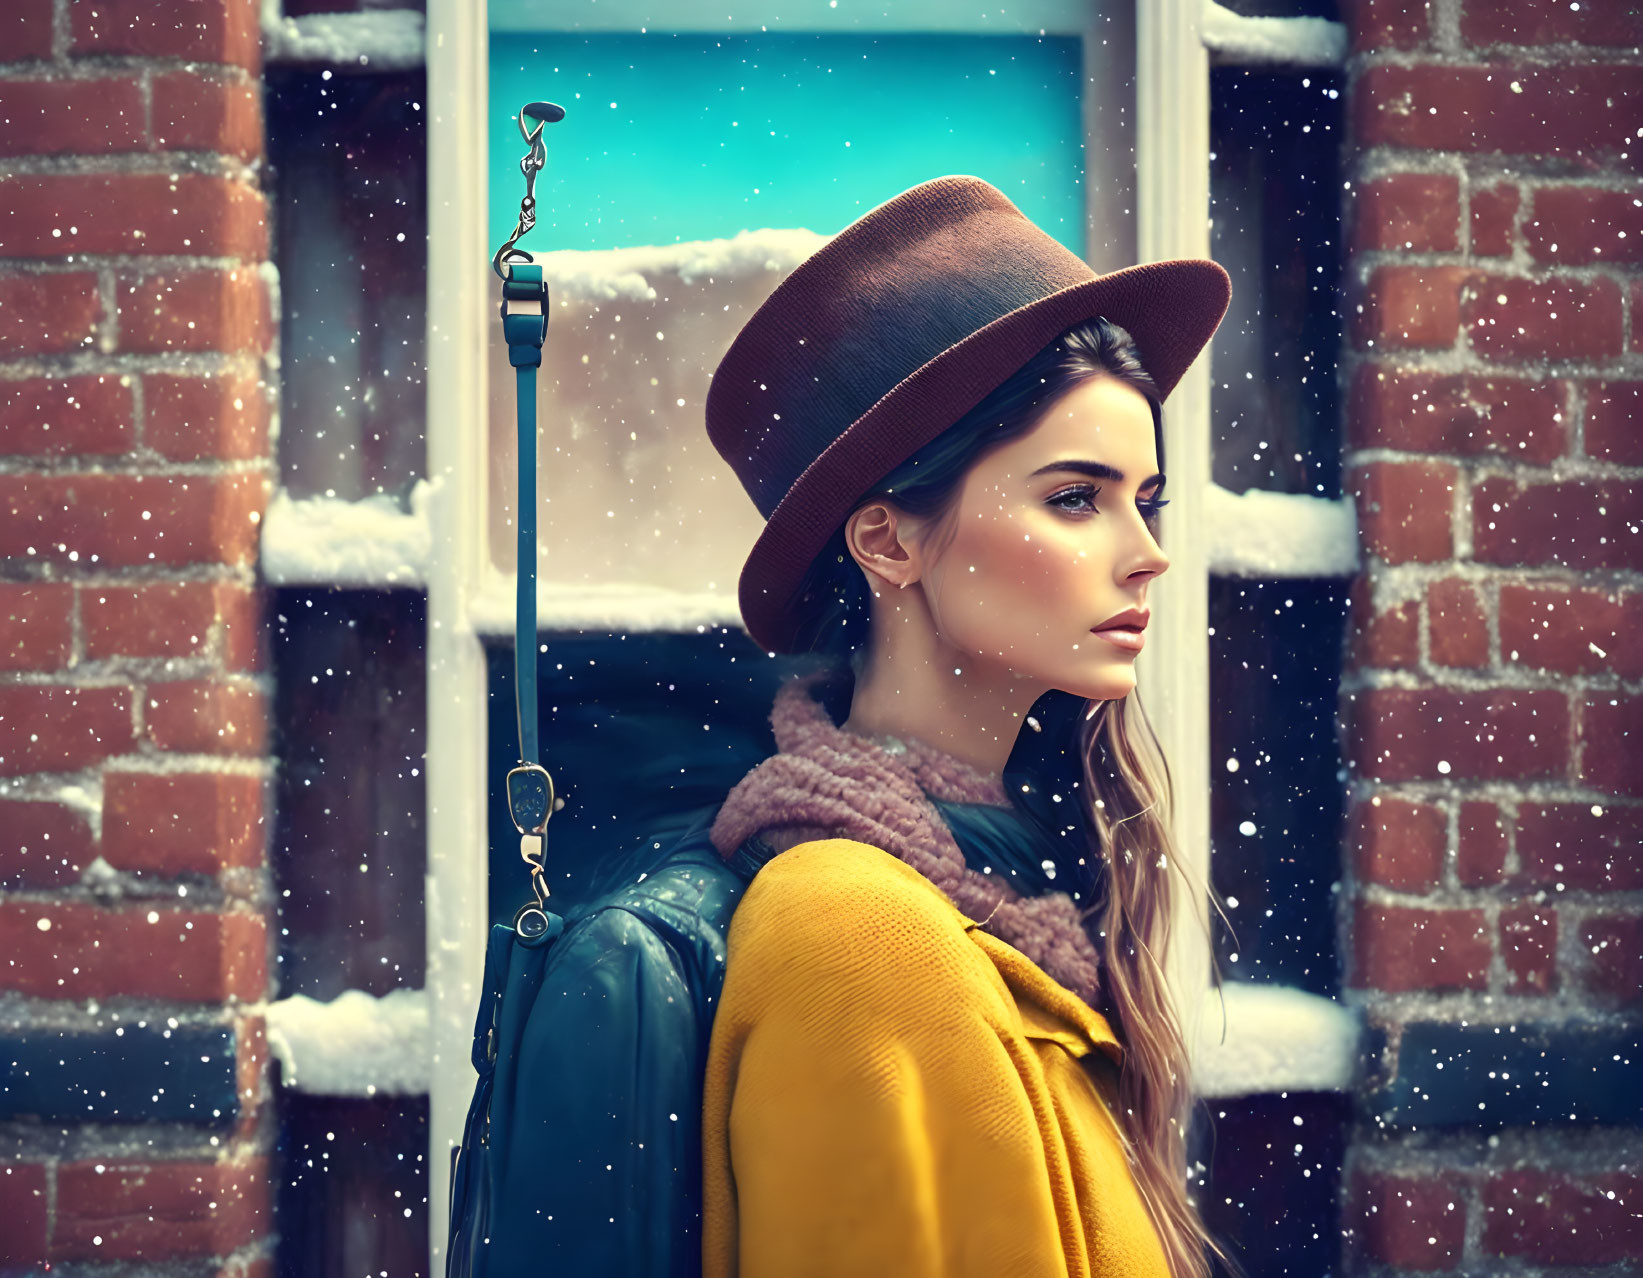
(891, 1091)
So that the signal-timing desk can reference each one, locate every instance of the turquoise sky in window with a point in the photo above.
(711, 135)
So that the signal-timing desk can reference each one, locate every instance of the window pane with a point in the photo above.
(350, 219)
(1276, 808)
(348, 854)
(1275, 188)
(710, 136)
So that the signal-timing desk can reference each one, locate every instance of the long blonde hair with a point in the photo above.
(1124, 780)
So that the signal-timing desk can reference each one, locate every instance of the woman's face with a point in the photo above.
(1052, 547)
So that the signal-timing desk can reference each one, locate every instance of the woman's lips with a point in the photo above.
(1129, 638)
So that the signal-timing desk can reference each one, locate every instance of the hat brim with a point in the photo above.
(1170, 308)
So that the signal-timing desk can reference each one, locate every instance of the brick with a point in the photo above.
(1399, 948)
(173, 823)
(204, 716)
(1485, 22)
(57, 214)
(1508, 1071)
(1577, 225)
(25, 30)
(1457, 414)
(1560, 628)
(152, 619)
(1569, 523)
(1410, 1222)
(1408, 212)
(1612, 957)
(24, 1194)
(1580, 114)
(222, 114)
(99, 518)
(1388, 639)
(62, 729)
(144, 952)
(214, 416)
(1432, 734)
(1398, 843)
(1611, 755)
(1480, 844)
(66, 417)
(36, 626)
(1528, 947)
(1405, 510)
(160, 1209)
(1493, 211)
(251, 1074)
(1510, 320)
(195, 311)
(1585, 847)
(47, 314)
(132, 1067)
(243, 630)
(1411, 307)
(1548, 1218)
(83, 117)
(46, 844)
(1387, 24)
(1457, 625)
(1614, 414)
(223, 31)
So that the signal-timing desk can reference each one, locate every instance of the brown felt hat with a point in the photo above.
(892, 331)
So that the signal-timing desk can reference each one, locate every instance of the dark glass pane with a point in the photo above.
(1275, 188)
(352, 1194)
(348, 851)
(349, 163)
(1330, 9)
(1273, 1165)
(1277, 802)
(300, 8)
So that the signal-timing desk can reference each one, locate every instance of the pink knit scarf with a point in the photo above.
(825, 782)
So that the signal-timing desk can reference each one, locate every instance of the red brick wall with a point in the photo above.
(134, 469)
(1493, 711)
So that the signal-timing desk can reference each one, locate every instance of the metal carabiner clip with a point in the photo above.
(534, 161)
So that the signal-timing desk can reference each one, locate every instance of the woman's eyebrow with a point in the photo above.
(1095, 470)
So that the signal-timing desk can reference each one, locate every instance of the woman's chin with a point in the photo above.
(1114, 680)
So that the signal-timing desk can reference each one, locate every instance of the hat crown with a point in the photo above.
(907, 281)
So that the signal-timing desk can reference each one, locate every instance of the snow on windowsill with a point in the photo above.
(1270, 535)
(358, 1044)
(1236, 40)
(331, 541)
(382, 39)
(1277, 1039)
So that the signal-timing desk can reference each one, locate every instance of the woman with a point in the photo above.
(937, 1039)
(944, 1043)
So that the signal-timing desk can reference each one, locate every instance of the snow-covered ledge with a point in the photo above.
(1277, 1039)
(378, 40)
(1262, 534)
(358, 1044)
(317, 541)
(1236, 40)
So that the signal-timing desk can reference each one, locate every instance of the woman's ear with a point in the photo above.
(884, 541)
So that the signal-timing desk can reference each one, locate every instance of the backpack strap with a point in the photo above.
(525, 327)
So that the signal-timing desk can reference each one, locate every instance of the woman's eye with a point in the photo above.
(1150, 507)
(1083, 493)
